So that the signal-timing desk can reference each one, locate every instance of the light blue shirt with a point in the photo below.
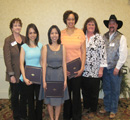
(32, 56)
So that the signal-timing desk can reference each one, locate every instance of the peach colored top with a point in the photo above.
(72, 43)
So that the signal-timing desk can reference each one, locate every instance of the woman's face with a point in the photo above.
(70, 21)
(91, 27)
(54, 35)
(16, 27)
(32, 35)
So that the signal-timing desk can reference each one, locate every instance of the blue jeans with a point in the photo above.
(111, 88)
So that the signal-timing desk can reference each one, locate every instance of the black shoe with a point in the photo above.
(23, 118)
(16, 118)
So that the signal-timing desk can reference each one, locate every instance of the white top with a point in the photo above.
(95, 56)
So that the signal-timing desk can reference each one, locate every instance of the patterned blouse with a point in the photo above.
(95, 56)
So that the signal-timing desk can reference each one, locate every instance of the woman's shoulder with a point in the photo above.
(99, 38)
(22, 36)
(98, 35)
(62, 46)
(63, 31)
(10, 37)
(24, 46)
(40, 45)
(44, 48)
(79, 30)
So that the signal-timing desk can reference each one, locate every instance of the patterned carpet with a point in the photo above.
(123, 111)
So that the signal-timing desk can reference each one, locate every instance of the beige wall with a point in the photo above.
(44, 13)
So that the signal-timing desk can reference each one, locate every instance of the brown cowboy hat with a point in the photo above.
(113, 17)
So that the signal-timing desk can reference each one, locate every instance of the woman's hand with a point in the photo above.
(78, 73)
(100, 72)
(65, 85)
(27, 81)
(12, 79)
(68, 73)
(45, 85)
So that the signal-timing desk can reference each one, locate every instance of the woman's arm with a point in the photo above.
(102, 55)
(83, 55)
(41, 47)
(41, 58)
(64, 68)
(22, 56)
(7, 60)
(44, 63)
(83, 58)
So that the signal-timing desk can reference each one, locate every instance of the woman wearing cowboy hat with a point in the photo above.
(116, 48)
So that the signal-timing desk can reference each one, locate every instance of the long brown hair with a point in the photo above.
(33, 26)
(91, 20)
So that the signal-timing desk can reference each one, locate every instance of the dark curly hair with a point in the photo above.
(67, 13)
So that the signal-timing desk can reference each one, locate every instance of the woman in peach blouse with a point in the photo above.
(74, 41)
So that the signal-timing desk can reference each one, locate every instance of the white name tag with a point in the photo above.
(112, 44)
(14, 43)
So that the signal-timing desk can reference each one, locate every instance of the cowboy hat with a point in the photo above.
(113, 17)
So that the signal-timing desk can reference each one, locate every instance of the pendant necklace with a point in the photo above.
(55, 52)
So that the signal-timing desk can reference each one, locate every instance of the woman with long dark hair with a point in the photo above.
(95, 62)
(54, 70)
(31, 53)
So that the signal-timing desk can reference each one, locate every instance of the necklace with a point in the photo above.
(55, 49)
(55, 52)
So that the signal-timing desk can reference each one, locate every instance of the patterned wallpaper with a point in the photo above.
(44, 13)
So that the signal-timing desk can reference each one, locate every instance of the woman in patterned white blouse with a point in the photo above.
(95, 62)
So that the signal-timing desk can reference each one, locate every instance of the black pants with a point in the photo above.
(90, 91)
(18, 100)
(34, 111)
(72, 107)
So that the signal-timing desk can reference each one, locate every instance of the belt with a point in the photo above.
(54, 67)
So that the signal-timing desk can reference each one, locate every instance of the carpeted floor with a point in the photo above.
(123, 111)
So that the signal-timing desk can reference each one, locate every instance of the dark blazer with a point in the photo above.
(12, 58)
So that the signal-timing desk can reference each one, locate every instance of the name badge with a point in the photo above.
(14, 43)
(112, 44)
